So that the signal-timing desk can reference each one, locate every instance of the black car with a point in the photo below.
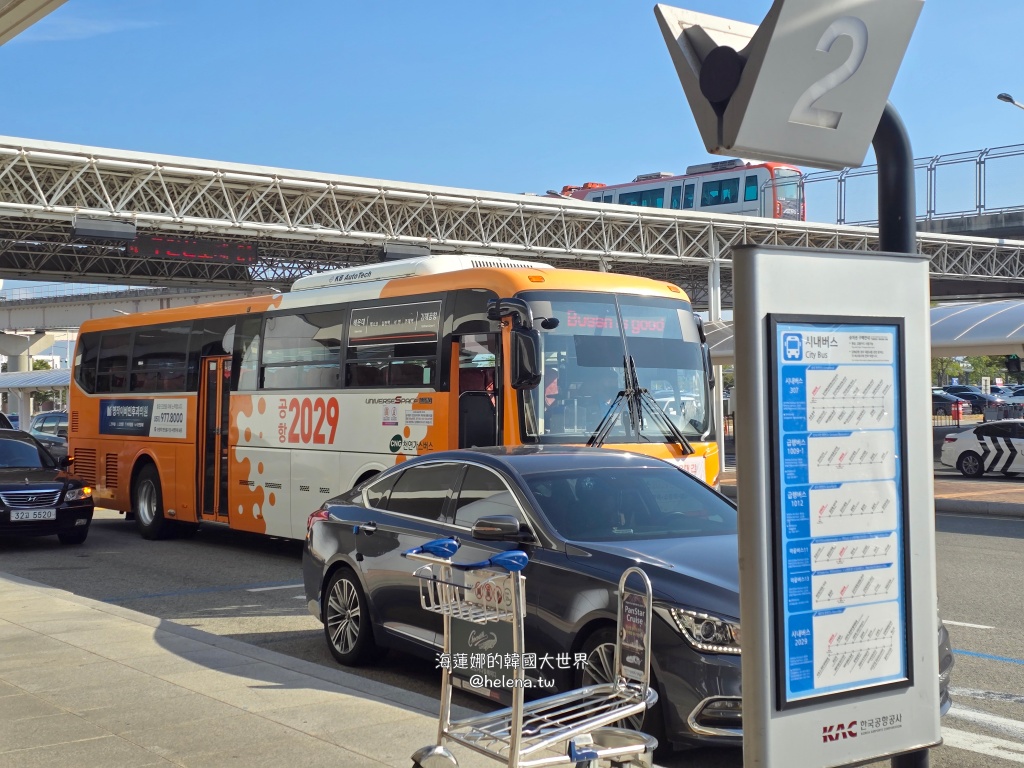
(585, 515)
(38, 495)
(942, 403)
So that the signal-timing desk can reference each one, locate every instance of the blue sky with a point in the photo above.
(514, 97)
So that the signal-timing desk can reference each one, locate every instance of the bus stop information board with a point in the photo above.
(842, 611)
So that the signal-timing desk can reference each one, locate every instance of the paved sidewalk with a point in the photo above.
(92, 685)
(966, 497)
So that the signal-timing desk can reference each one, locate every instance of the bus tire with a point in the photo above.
(148, 504)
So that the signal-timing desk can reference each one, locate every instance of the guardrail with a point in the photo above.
(955, 185)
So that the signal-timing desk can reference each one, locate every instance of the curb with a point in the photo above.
(946, 505)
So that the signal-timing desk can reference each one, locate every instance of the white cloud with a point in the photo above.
(64, 28)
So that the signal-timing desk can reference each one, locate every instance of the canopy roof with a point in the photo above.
(969, 328)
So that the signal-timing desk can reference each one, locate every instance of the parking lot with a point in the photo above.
(248, 588)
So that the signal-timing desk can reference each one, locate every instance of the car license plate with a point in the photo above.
(33, 514)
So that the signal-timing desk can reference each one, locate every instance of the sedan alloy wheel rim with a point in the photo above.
(600, 669)
(343, 614)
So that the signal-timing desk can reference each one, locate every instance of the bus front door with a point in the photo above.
(214, 394)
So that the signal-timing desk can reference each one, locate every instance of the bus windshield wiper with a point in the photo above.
(637, 402)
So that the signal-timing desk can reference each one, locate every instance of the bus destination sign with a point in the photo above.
(399, 324)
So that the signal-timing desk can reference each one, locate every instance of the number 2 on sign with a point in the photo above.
(308, 417)
(805, 113)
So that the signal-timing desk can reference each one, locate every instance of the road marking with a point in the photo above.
(970, 693)
(988, 656)
(976, 516)
(1002, 725)
(965, 624)
(267, 589)
(983, 745)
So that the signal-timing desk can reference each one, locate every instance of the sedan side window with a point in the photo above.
(377, 493)
(483, 493)
(422, 491)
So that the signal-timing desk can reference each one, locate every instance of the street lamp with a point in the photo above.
(1009, 100)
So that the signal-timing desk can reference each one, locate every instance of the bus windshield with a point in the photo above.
(584, 366)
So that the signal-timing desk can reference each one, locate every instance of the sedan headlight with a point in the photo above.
(703, 631)
(77, 494)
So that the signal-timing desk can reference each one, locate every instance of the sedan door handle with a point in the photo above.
(366, 528)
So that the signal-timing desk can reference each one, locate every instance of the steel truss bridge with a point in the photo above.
(304, 222)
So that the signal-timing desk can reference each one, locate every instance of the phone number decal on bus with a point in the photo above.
(307, 421)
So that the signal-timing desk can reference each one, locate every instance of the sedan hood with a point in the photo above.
(699, 572)
(17, 478)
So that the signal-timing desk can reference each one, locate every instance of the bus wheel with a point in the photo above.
(148, 505)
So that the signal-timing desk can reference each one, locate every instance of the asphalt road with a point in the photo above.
(248, 588)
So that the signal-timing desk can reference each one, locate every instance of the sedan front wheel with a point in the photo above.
(347, 620)
(970, 464)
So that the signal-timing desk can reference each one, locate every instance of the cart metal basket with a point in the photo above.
(565, 729)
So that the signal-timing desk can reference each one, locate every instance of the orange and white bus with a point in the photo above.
(252, 412)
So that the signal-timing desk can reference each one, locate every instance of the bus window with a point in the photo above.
(393, 345)
(209, 338)
(676, 197)
(85, 361)
(688, 195)
(112, 367)
(302, 351)
(750, 189)
(158, 358)
(246, 351)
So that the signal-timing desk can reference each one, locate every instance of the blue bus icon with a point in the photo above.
(792, 346)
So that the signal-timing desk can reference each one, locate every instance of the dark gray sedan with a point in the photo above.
(584, 516)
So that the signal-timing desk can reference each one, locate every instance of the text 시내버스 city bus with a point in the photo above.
(252, 412)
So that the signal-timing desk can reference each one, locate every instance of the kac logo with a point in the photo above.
(836, 732)
(793, 346)
(396, 444)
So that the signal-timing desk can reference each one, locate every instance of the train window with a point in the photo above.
(688, 195)
(650, 198)
(750, 189)
(607, 198)
(596, 199)
(676, 197)
(724, 192)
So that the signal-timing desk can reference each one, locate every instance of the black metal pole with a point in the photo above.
(897, 205)
(897, 233)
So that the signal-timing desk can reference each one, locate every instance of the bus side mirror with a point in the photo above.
(525, 370)
(706, 351)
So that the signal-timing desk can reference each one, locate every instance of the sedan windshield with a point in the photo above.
(630, 504)
(15, 453)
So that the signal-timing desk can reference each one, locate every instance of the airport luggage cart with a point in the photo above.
(573, 728)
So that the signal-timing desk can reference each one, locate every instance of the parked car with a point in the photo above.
(987, 448)
(957, 389)
(979, 401)
(49, 423)
(942, 403)
(38, 494)
(57, 446)
(584, 516)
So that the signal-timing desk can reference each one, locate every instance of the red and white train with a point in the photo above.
(771, 190)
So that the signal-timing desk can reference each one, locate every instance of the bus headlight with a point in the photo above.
(703, 631)
(78, 494)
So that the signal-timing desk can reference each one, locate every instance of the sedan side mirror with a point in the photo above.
(496, 528)
(66, 462)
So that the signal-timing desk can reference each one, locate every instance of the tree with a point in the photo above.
(944, 369)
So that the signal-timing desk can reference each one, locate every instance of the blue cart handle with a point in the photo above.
(442, 548)
(512, 561)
